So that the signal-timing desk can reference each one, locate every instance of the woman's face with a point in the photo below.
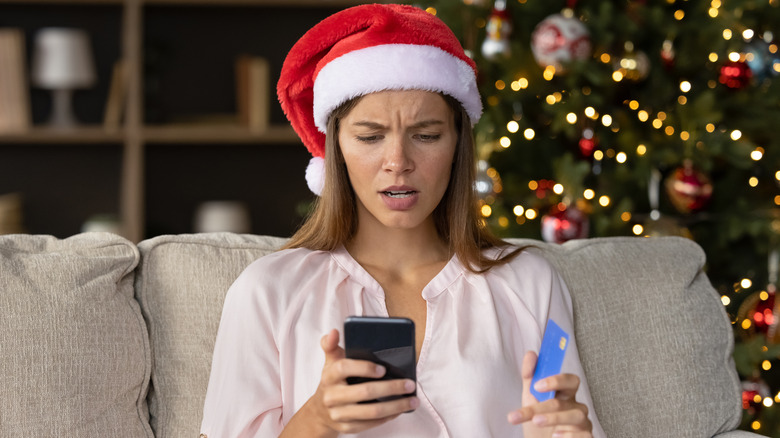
(398, 147)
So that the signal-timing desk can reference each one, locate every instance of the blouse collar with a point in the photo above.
(441, 282)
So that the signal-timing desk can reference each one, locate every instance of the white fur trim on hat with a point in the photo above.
(315, 175)
(394, 67)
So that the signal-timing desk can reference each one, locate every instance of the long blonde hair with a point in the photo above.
(333, 221)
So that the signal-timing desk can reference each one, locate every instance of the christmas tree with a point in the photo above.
(646, 118)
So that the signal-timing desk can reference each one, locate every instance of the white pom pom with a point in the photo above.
(315, 175)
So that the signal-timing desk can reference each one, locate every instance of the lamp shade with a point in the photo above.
(62, 59)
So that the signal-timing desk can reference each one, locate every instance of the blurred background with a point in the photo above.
(602, 118)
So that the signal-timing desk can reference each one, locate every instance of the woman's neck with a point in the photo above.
(393, 248)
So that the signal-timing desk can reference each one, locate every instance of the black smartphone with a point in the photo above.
(387, 341)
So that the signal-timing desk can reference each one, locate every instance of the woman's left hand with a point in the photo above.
(561, 416)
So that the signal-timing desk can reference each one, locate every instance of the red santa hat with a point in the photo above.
(365, 49)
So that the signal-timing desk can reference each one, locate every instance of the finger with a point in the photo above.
(338, 371)
(527, 369)
(572, 434)
(564, 385)
(373, 411)
(349, 394)
(361, 425)
(560, 413)
(537, 412)
(330, 345)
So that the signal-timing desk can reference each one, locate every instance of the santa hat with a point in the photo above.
(365, 49)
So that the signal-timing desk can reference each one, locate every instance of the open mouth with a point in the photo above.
(400, 194)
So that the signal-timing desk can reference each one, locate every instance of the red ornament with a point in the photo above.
(668, 54)
(563, 225)
(753, 394)
(689, 189)
(558, 39)
(588, 143)
(735, 74)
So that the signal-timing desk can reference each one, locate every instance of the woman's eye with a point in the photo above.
(428, 137)
(368, 138)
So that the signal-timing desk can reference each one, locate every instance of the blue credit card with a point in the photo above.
(551, 353)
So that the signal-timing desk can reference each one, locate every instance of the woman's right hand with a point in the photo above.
(334, 407)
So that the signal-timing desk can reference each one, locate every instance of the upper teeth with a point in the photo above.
(399, 194)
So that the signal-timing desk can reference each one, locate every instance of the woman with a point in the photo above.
(384, 98)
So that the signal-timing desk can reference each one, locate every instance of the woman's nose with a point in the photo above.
(396, 157)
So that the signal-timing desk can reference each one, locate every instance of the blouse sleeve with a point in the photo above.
(560, 310)
(244, 396)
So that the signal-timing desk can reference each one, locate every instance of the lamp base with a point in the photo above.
(62, 116)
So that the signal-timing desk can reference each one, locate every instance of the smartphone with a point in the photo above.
(551, 354)
(383, 340)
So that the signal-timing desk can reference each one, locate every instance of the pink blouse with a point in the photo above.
(268, 361)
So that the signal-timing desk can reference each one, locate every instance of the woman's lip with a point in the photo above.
(404, 202)
(399, 189)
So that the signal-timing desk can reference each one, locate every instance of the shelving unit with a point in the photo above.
(142, 24)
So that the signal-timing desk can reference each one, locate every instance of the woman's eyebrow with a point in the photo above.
(378, 126)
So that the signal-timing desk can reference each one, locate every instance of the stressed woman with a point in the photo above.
(385, 99)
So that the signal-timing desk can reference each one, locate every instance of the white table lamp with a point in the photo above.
(62, 62)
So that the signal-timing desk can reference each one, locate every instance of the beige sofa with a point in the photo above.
(103, 338)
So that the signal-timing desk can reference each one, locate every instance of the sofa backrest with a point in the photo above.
(653, 335)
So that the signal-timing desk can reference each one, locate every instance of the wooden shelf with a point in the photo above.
(78, 135)
(218, 133)
(142, 32)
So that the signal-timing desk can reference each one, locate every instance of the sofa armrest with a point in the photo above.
(738, 434)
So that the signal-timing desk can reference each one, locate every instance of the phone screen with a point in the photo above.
(382, 340)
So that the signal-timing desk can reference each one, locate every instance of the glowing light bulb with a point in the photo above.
(736, 134)
(558, 189)
(505, 142)
(571, 118)
(518, 210)
(637, 230)
(512, 126)
(685, 86)
(529, 134)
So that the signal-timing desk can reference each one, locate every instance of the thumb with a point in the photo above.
(330, 345)
(527, 373)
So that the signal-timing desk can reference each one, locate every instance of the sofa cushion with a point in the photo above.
(75, 356)
(653, 336)
(181, 285)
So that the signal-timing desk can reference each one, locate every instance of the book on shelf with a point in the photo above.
(117, 97)
(253, 92)
(14, 93)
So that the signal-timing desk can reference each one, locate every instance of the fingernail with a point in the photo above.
(409, 386)
(414, 402)
(541, 386)
(380, 370)
(540, 420)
